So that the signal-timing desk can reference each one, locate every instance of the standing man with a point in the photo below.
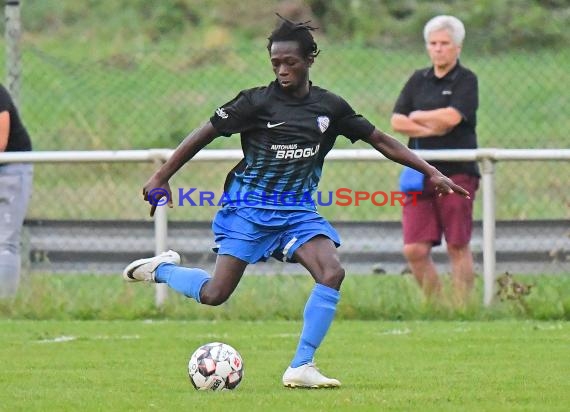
(15, 191)
(437, 110)
(286, 129)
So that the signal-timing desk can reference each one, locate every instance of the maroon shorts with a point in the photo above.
(430, 216)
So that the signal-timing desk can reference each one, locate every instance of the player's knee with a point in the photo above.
(416, 251)
(333, 277)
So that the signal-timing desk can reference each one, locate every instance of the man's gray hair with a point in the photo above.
(453, 25)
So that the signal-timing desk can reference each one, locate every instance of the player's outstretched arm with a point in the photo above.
(192, 144)
(396, 151)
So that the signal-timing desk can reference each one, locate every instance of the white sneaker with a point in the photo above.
(143, 269)
(307, 376)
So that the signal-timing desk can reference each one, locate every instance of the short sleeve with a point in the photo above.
(465, 96)
(234, 116)
(5, 100)
(404, 104)
(350, 124)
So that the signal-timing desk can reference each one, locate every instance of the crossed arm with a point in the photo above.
(424, 123)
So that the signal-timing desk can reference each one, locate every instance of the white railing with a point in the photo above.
(486, 157)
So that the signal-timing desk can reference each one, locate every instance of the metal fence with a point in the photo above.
(110, 239)
(153, 98)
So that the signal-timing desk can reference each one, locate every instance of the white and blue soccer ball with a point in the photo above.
(215, 366)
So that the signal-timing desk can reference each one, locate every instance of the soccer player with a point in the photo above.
(286, 128)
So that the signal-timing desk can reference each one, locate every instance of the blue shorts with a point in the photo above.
(254, 235)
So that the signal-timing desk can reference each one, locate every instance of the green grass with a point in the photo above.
(370, 297)
(92, 342)
(399, 366)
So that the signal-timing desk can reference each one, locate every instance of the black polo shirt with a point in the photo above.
(457, 89)
(18, 139)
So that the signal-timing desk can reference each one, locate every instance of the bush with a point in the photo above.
(497, 25)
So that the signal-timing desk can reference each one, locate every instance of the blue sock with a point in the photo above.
(187, 281)
(318, 316)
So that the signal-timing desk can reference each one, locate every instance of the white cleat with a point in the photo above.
(307, 376)
(143, 269)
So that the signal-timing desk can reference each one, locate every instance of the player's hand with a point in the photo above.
(157, 193)
(445, 186)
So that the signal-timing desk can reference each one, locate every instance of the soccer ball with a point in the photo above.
(215, 366)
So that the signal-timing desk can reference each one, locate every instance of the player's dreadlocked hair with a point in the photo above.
(299, 32)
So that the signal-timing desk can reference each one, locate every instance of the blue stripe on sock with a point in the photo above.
(318, 316)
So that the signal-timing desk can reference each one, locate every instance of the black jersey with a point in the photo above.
(18, 139)
(457, 89)
(284, 140)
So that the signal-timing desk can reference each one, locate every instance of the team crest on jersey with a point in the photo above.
(323, 122)
(222, 113)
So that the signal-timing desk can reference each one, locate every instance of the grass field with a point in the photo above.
(400, 366)
(95, 342)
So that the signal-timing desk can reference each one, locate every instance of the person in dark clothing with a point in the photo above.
(15, 192)
(437, 110)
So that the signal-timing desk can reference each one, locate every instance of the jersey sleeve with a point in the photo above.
(404, 104)
(5, 99)
(350, 124)
(465, 96)
(234, 116)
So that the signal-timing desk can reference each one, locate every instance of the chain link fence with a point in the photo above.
(152, 96)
